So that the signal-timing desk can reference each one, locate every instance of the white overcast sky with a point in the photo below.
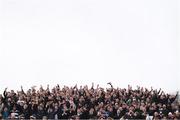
(83, 41)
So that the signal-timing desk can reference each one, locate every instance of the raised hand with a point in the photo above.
(6, 89)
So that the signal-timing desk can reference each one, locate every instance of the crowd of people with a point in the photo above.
(89, 103)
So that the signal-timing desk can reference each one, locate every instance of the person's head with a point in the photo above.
(177, 114)
(44, 118)
(156, 115)
(124, 105)
(111, 109)
(77, 117)
(170, 115)
(40, 107)
(14, 108)
(50, 109)
(5, 109)
(9, 99)
(164, 106)
(91, 111)
(162, 97)
(25, 106)
(21, 103)
(164, 117)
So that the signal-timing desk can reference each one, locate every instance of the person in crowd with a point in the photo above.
(89, 103)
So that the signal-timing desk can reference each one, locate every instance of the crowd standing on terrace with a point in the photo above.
(88, 103)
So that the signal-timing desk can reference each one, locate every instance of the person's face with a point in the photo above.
(91, 111)
(162, 97)
(164, 106)
(170, 116)
(78, 110)
(124, 106)
(21, 104)
(9, 99)
(14, 108)
(155, 114)
(120, 108)
(56, 107)
(50, 110)
(117, 100)
(25, 106)
(40, 108)
(5, 109)
(151, 108)
(112, 102)
(77, 118)
(111, 109)
(116, 106)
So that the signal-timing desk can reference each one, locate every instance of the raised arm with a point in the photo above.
(174, 98)
(92, 87)
(5, 92)
(110, 84)
(5, 95)
(23, 91)
(159, 91)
